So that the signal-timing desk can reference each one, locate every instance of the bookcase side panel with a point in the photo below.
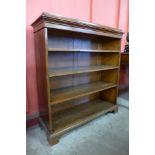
(110, 95)
(41, 72)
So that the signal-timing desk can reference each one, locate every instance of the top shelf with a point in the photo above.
(81, 50)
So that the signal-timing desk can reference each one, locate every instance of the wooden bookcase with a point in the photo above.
(77, 72)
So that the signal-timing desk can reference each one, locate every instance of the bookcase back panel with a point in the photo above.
(81, 59)
(110, 76)
(73, 59)
(74, 80)
(69, 104)
(109, 95)
(72, 40)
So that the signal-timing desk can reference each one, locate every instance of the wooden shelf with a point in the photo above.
(69, 93)
(81, 50)
(78, 70)
(68, 119)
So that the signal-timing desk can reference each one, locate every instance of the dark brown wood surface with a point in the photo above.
(124, 58)
(124, 73)
(41, 69)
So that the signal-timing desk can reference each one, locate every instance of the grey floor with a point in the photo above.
(124, 95)
(106, 135)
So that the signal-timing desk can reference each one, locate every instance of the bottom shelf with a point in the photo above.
(74, 117)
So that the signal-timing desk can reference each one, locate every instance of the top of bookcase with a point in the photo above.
(69, 24)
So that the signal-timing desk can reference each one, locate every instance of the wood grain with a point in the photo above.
(41, 70)
(69, 93)
(78, 70)
(80, 50)
(69, 24)
(80, 114)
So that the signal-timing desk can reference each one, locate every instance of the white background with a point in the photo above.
(13, 77)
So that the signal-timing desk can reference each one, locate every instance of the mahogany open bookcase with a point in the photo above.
(77, 72)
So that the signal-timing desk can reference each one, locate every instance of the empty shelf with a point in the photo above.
(69, 93)
(79, 50)
(77, 70)
(80, 114)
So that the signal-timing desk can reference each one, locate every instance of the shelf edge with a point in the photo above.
(84, 94)
(81, 50)
(80, 72)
